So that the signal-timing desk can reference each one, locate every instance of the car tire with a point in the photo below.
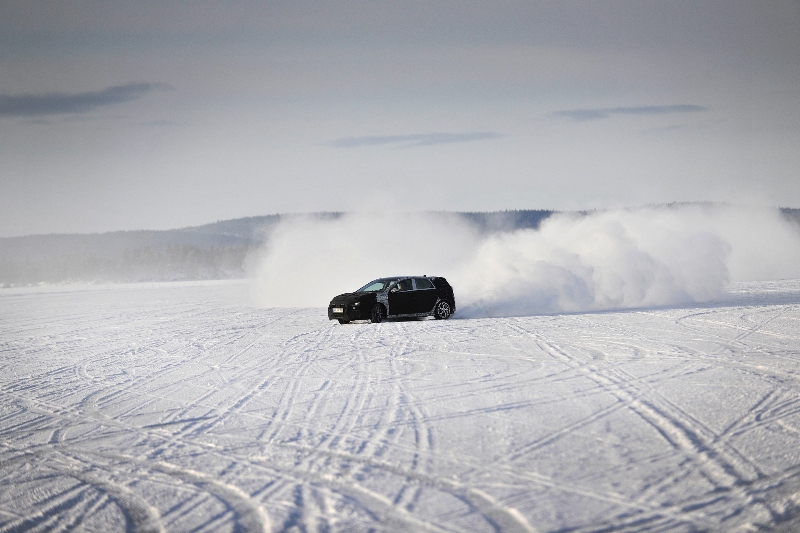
(442, 310)
(344, 321)
(376, 315)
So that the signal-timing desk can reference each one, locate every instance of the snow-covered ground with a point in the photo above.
(174, 407)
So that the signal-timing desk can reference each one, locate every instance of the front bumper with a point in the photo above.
(334, 312)
(347, 311)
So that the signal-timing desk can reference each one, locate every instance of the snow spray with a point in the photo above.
(614, 259)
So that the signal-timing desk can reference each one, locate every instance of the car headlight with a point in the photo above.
(356, 304)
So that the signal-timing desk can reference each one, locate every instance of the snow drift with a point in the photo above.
(614, 259)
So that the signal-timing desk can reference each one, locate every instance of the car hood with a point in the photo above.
(348, 297)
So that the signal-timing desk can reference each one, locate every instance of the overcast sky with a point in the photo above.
(155, 115)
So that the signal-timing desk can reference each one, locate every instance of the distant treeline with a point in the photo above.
(211, 251)
(174, 262)
(791, 214)
(496, 221)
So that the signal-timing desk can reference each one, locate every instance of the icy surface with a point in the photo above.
(174, 408)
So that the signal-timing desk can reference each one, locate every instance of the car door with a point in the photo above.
(425, 295)
(401, 298)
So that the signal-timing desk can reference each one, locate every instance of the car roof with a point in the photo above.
(394, 278)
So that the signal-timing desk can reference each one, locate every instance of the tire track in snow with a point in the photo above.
(133, 422)
(295, 373)
(504, 463)
(714, 447)
(382, 438)
(499, 516)
(307, 355)
(776, 406)
(136, 509)
(400, 409)
(141, 517)
(251, 517)
(682, 434)
(88, 408)
(307, 495)
(349, 415)
(61, 507)
(745, 331)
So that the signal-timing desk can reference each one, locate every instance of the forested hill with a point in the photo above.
(210, 251)
(791, 214)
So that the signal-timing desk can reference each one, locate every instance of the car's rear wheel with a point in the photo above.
(442, 311)
(376, 315)
(344, 321)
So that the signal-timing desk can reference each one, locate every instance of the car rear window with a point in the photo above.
(423, 283)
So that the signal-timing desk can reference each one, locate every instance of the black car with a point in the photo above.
(401, 296)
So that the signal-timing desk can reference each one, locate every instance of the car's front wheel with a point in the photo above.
(442, 311)
(376, 315)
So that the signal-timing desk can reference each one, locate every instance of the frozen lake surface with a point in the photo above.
(171, 407)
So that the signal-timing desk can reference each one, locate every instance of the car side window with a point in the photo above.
(423, 283)
(404, 285)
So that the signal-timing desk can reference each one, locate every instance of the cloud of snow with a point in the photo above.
(574, 262)
(308, 260)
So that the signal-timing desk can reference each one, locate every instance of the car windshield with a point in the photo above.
(376, 286)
